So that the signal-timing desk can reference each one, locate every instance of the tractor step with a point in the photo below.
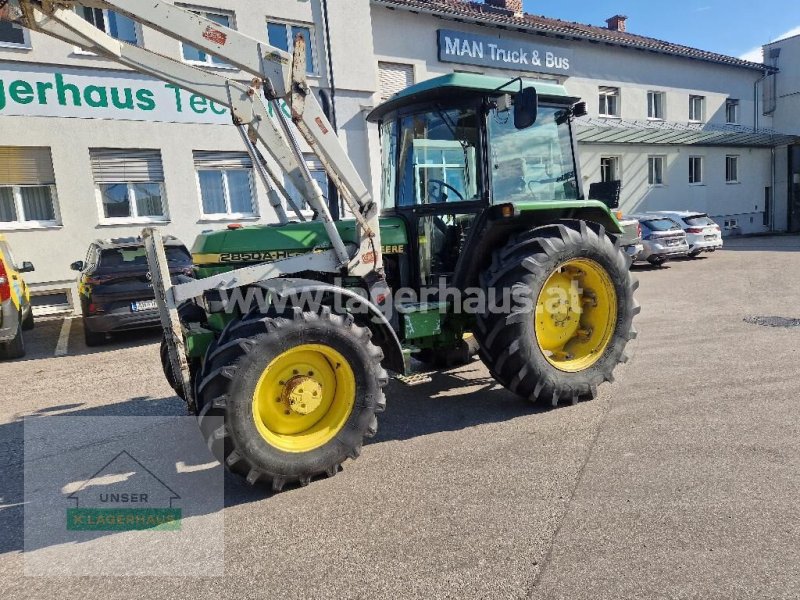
(414, 379)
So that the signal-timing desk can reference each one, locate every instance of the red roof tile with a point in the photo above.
(483, 13)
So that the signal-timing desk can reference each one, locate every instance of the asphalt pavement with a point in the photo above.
(680, 481)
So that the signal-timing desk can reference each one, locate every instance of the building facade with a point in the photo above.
(90, 150)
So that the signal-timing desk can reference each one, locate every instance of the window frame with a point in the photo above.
(735, 104)
(19, 208)
(228, 215)
(133, 219)
(693, 117)
(26, 40)
(606, 92)
(617, 164)
(651, 170)
(735, 159)
(693, 170)
(651, 104)
(137, 28)
(312, 39)
(203, 11)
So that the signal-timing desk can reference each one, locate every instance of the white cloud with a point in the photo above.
(755, 55)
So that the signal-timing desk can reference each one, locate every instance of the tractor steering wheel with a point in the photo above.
(441, 196)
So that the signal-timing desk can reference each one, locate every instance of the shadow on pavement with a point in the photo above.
(453, 400)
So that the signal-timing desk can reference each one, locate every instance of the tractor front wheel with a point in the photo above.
(566, 316)
(285, 398)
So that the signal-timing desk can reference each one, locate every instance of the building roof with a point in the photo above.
(478, 12)
(454, 83)
(628, 131)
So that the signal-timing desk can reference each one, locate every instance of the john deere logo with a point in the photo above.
(123, 495)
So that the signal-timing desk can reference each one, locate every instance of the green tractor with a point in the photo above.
(484, 229)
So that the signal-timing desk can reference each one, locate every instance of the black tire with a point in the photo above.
(657, 262)
(232, 369)
(92, 338)
(14, 348)
(694, 254)
(508, 341)
(27, 323)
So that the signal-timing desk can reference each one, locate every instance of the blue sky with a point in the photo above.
(734, 27)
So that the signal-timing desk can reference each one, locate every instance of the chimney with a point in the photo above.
(514, 6)
(617, 23)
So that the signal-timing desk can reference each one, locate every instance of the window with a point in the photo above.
(732, 169)
(730, 223)
(609, 169)
(13, 36)
(655, 170)
(27, 188)
(696, 108)
(394, 77)
(226, 184)
(655, 105)
(609, 102)
(195, 55)
(319, 175)
(732, 112)
(695, 170)
(282, 35)
(129, 184)
(117, 26)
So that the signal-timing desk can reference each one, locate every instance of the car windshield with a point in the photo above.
(534, 163)
(661, 225)
(698, 221)
(136, 257)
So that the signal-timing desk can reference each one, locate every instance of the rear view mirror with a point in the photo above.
(526, 107)
(27, 267)
(77, 265)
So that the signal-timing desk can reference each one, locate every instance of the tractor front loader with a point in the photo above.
(283, 343)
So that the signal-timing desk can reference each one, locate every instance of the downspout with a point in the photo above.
(772, 194)
(329, 106)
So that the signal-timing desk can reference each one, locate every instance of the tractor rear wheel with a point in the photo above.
(569, 315)
(294, 395)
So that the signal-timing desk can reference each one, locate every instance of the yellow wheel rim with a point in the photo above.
(304, 398)
(576, 314)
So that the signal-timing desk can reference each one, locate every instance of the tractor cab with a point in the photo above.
(456, 146)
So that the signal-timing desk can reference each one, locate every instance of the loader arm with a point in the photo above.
(276, 75)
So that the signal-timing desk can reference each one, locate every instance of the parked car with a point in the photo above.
(702, 233)
(662, 239)
(114, 285)
(631, 238)
(16, 313)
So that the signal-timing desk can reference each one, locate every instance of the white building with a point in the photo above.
(90, 150)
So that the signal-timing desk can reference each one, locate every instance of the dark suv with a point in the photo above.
(115, 289)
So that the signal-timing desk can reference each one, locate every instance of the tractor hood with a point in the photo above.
(263, 243)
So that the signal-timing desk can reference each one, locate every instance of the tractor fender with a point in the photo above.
(367, 315)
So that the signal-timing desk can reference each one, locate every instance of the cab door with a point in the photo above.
(439, 190)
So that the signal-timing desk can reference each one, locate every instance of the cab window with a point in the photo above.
(437, 160)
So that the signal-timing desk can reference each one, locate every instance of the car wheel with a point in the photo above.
(92, 338)
(656, 262)
(694, 254)
(16, 347)
(27, 322)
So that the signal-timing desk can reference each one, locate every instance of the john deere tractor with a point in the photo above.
(481, 201)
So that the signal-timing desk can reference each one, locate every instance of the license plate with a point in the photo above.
(673, 242)
(143, 305)
(711, 238)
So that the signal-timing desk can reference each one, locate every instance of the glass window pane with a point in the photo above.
(276, 36)
(221, 20)
(148, 199)
(37, 203)
(241, 195)
(194, 54)
(121, 28)
(116, 203)
(211, 192)
(11, 34)
(8, 211)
